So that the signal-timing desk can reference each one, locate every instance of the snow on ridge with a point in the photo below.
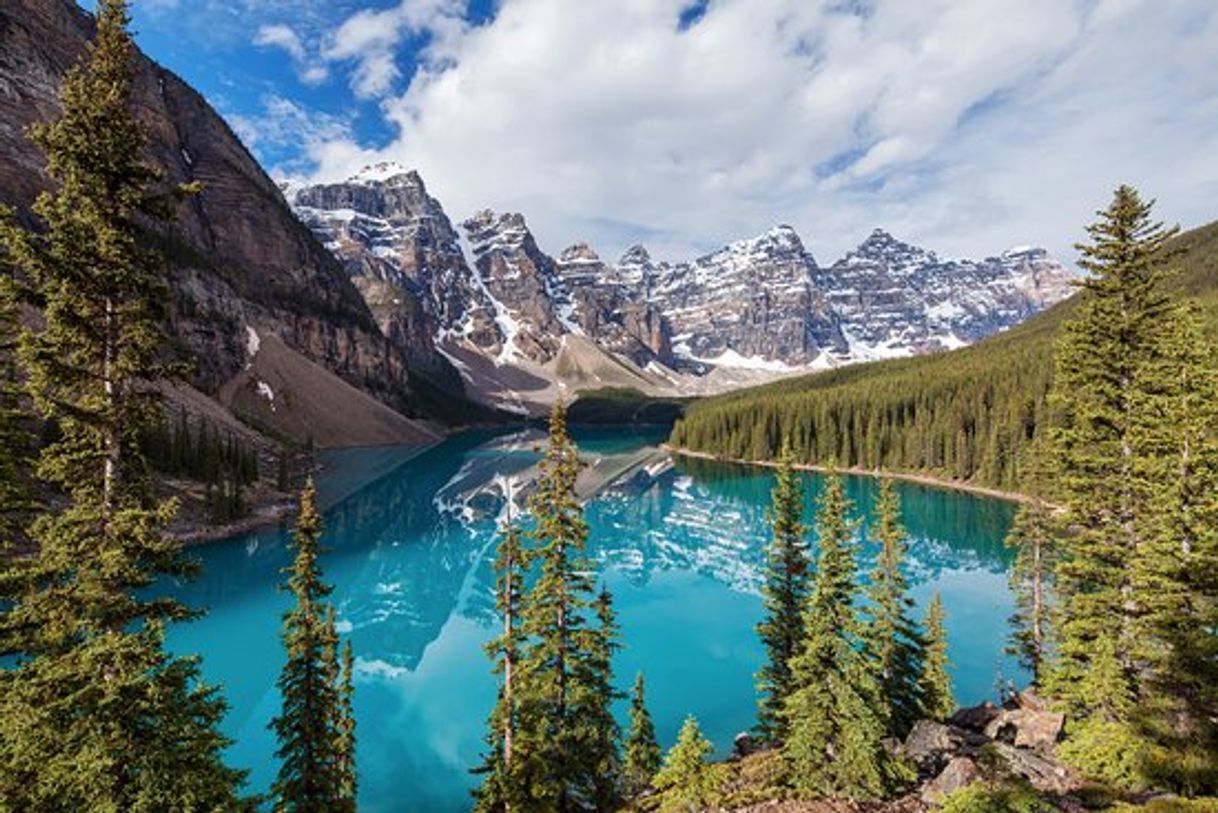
(379, 172)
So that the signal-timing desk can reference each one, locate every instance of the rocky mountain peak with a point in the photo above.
(580, 253)
(385, 172)
(882, 247)
(635, 255)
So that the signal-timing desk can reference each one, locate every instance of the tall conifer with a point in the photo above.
(834, 715)
(934, 682)
(345, 734)
(643, 757)
(97, 716)
(564, 674)
(498, 788)
(1112, 336)
(784, 594)
(1175, 568)
(891, 636)
(687, 778)
(309, 729)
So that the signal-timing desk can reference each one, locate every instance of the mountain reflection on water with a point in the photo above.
(410, 557)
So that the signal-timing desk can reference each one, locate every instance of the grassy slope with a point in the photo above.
(1026, 349)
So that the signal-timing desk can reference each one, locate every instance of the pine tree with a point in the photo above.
(1175, 568)
(309, 779)
(1100, 353)
(596, 728)
(497, 790)
(1033, 535)
(934, 682)
(686, 777)
(15, 440)
(96, 715)
(345, 741)
(784, 594)
(891, 637)
(834, 716)
(562, 664)
(643, 758)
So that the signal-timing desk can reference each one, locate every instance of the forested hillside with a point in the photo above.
(969, 414)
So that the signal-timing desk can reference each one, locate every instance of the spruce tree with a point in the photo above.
(934, 682)
(497, 792)
(686, 778)
(1111, 337)
(1175, 568)
(15, 440)
(892, 639)
(563, 674)
(597, 730)
(784, 594)
(834, 716)
(311, 778)
(345, 734)
(1033, 536)
(643, 757)
(95, 714)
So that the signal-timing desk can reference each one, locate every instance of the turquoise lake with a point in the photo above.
(410, 556)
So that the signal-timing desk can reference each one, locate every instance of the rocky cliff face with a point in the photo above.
(895, 299)
(753, 299)
(761, 304)
(239, 257)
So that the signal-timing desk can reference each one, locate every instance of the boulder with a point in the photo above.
(975, 718)
(931, 745)
(961, 771)
(1044, 774)
(1030, 700)
(1026, 728)
(743, 744)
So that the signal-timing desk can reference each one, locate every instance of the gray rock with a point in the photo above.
(1026, 728)
(1045, 774)
(959, 773)
(975, 718)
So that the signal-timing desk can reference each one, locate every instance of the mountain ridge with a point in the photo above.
(758, 306)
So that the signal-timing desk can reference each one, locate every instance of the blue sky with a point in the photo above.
(966, 127)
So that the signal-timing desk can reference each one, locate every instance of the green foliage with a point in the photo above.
(686, 778)
(314, 727)
(643, 757)
(834, 716)
(618, 405)
(984, 797)
(1106, 751)
(784, 595)
(95, 714)
(1102, 350)
(15, 500)
(1169, 806)
(553, 741)
(891, 637)
(934, 682)
(344, 744)
(1033, 535)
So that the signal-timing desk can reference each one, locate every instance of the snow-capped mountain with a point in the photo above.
(761, 304)
(895, 299)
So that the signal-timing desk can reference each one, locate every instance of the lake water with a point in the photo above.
(410, 561)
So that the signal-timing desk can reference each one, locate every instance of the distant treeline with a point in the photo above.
(220, 460)
(968, 415)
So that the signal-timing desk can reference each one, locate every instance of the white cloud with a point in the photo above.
(370, 39)
(286, 39)
(284, 127)
(966, 126)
